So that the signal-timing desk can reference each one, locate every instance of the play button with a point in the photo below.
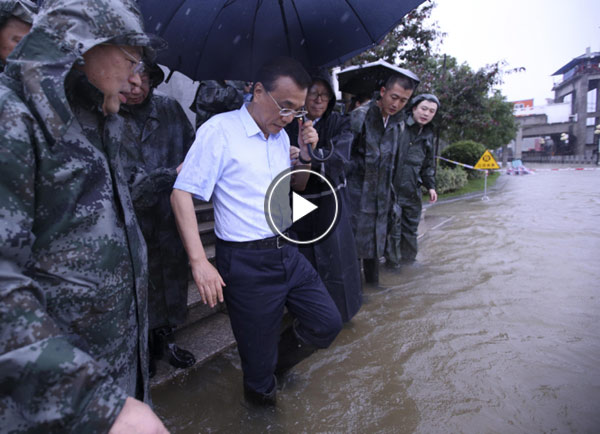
(301, 217)
(300, 207)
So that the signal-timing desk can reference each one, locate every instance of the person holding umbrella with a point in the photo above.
(233, 160)
(377, 127)
(414, 167)
(334, 257)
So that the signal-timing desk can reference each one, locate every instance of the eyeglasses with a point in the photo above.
(285, 112)
(137, 65)
(316, 95)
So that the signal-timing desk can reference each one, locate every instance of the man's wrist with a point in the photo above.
(302, 160)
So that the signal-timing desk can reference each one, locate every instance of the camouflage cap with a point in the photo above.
(82, 24)
(21, 9)
(63, 30)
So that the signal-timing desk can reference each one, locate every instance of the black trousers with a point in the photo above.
(401, 242)
(259, 283)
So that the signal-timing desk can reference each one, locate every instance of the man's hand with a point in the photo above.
(209, 282)
(137, 418)
(294, 153)
(306, 135)
(207, 278)
(432, 195)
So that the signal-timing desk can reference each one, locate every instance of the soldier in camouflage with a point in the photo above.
(73, 269)
(16, 17)
(156, 139)
(377, 127)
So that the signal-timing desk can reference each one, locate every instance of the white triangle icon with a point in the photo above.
(301, 207)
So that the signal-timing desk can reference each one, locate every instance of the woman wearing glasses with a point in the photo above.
(334, 257)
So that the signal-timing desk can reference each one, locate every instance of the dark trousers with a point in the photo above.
(402, 233)
(259, 283)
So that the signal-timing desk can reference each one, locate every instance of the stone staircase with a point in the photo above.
(207, 331)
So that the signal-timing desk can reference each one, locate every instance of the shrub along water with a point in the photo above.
(466, 152)
(450, 179)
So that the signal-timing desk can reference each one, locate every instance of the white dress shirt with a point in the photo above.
(232, 162)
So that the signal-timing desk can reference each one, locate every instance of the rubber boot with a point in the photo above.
(292, 350)
(371, 270)
(261, 399)
(166, 348)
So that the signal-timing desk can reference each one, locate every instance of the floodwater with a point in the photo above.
(497, 331)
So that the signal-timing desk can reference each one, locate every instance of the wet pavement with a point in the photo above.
(496, 330)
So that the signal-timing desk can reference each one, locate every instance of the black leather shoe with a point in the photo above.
(164, 347)
(179, 357)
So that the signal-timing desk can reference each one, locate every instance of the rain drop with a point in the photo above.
(345, 17)
(220, 26)
(302, 42)
(237, 39)
(158, 26)
(188, 11)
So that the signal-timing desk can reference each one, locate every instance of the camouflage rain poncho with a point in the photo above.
(73, 272)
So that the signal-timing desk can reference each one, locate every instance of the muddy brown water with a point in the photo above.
(496, 331)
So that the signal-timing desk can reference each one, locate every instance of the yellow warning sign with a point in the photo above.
(487, 162)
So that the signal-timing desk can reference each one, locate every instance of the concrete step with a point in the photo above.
(207, 232)
(197, 310)
(204, 211)
(205, 339)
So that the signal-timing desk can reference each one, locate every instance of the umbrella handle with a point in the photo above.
(320, 159)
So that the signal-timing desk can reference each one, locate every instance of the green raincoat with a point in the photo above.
(73, 271)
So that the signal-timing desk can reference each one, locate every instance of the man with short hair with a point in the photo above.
(234, 159)
(377, 127)
(73, 269)
(16, 17)
(157, 135)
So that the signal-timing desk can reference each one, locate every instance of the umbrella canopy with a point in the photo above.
(367, 78)
(231, 39)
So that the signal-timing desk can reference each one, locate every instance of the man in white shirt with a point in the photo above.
(234, 159)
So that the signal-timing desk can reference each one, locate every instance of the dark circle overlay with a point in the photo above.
(314, 226)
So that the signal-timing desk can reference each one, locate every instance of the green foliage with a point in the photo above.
(409, 41)
(471, 108)
(450, 179)
(466, 152)
(468, 112)
(500, 126)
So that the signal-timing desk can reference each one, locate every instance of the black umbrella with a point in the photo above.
(369, 77)
(230, 39)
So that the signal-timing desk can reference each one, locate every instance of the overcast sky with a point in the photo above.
(539, 35)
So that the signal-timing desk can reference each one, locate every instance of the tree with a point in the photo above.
(410, 41)
(501, 126)
(471, 108)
